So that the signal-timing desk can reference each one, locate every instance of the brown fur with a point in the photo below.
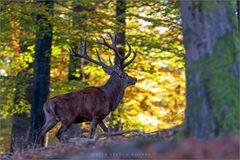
(92, 103)
(75, 107)
(82, 104)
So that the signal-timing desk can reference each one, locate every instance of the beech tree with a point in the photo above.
(41, 67)
(212, 67)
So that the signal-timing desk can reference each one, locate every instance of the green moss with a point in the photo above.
(221, 83)
(224, 86)
(212, 6)
(207, 5)
(180, 135)
(231, 6)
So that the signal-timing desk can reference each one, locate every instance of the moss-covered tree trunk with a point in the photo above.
(212, 67)
(41, 77)
(238, 16)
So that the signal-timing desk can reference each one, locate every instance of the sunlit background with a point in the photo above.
(156, 102)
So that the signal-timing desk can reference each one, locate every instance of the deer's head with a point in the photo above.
(116, 70)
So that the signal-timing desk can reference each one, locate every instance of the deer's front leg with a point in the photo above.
(94, 124)
(103, 126)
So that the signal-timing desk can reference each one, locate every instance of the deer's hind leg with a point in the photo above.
(50, 122)
(64, 126)
(94, 123)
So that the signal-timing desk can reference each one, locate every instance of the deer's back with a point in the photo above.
(89, 101)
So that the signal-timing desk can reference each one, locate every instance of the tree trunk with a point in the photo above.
(41, 69)
(238, 16)
(20, 121)
(20, 126)
(121, 41)
(120, 30)
(212, 67)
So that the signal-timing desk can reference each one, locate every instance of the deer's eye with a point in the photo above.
(121, 76)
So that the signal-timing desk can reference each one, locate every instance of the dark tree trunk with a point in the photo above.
(212, 67)
(20, 126)
(20, 121)
(41, 69)
(120, 30)
(121, 41)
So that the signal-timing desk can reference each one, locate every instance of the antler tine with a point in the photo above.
(83, 46)
(129, 52)
(112, 46)
(72, 52)
(84, 54)
(106, 43)
(99, 59)
(81, 42)
(113, 39)
(131, 60)
(110, 61)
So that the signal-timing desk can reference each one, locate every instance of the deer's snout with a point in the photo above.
(133, 81)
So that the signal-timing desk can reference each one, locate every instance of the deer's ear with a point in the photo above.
(107, 70)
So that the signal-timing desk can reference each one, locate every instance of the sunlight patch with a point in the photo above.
(148, 120)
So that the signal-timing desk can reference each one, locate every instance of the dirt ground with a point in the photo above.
(154, 146)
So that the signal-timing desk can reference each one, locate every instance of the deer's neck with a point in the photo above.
(114, 90)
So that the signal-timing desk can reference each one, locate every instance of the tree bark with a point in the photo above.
(121, 27)
(212, 68)
(238, 16)
(19, 133)
(121, 42)
(20, 121)
(41, 68)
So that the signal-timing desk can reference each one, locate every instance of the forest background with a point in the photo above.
(153, 28)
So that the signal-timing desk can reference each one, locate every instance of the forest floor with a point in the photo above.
(158, 145)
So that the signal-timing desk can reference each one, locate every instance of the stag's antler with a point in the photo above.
(113, 47)
(84, 54)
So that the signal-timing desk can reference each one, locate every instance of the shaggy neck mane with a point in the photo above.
(114, 89)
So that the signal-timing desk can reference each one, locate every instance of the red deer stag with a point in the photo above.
(92, 103)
